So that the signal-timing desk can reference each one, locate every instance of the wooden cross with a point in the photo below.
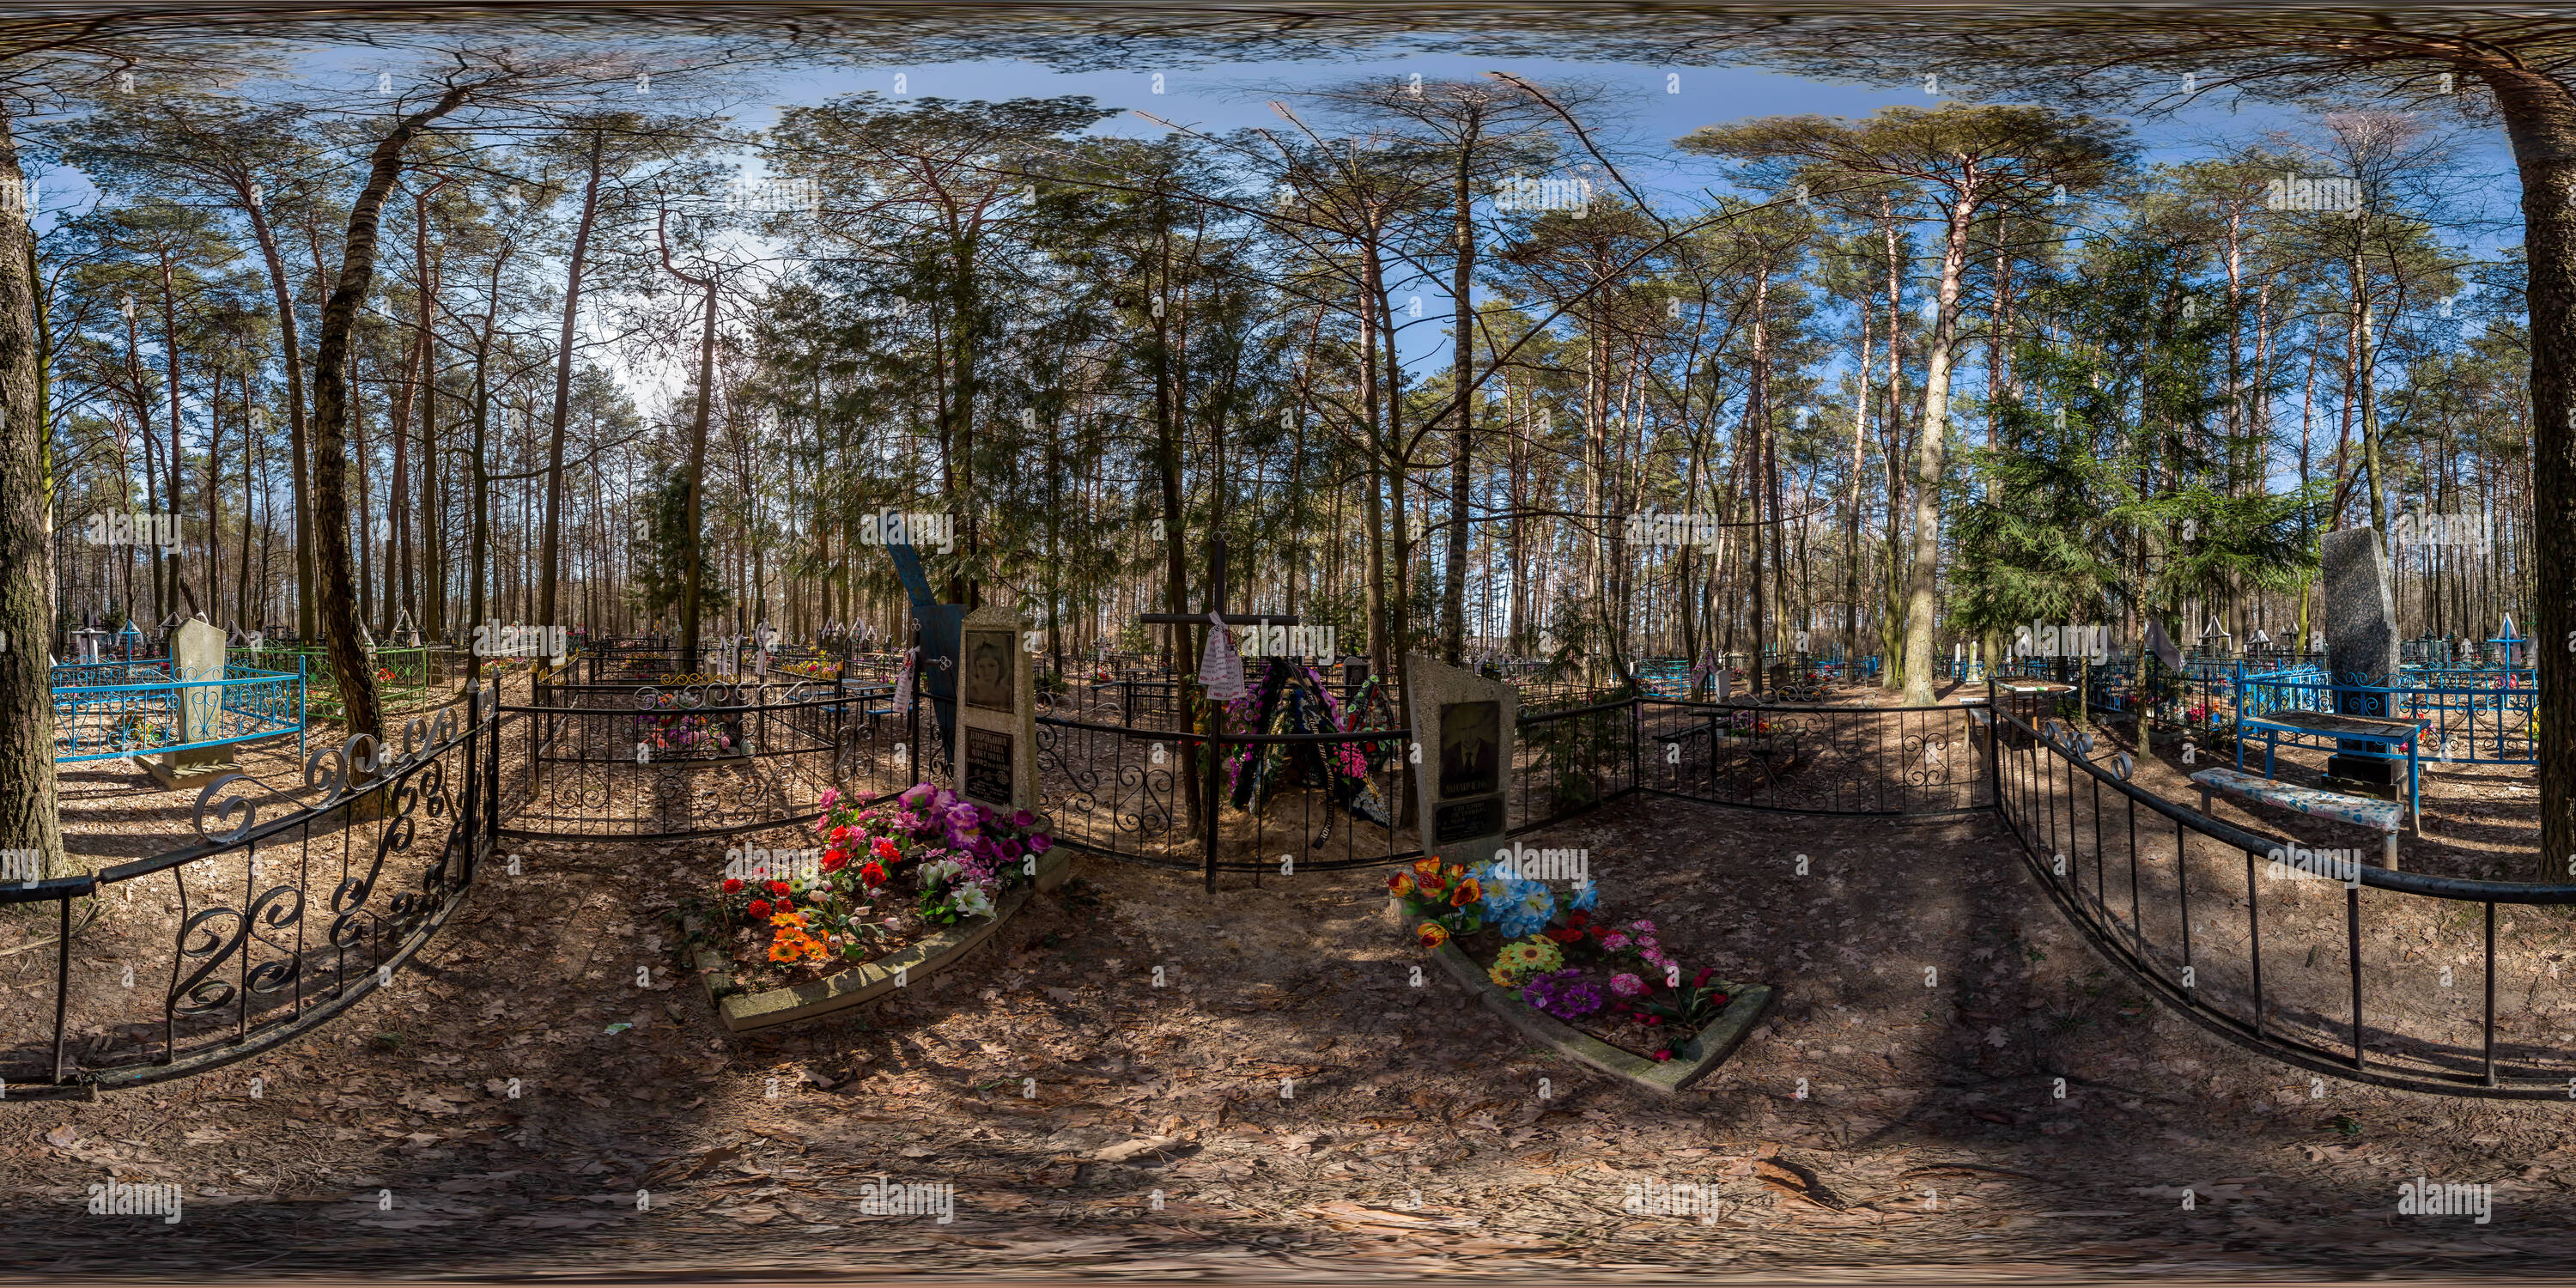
(1216, 600)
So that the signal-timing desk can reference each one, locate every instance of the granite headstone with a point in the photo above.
(1466, 727)
(996, 758)
(196, 656)
(2360, 613)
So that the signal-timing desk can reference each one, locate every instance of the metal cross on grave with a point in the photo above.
(1216, 602)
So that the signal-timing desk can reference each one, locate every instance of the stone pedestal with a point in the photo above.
(1466, 726)
(2360, 614)
(196, 653)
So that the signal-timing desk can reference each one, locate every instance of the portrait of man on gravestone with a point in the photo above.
(1471, 747)
(988, 670)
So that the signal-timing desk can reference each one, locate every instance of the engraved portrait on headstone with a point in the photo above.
(990, 660)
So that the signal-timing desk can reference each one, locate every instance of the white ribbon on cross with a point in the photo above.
(1219, 668)
(903, 682)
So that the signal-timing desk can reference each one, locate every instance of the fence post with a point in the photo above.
(62, 979)
(1216, 765)
(491, 748)
(474, 784)
(1994, 738)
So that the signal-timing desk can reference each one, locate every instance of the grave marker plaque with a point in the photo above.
(1466, 724)
(996, 764)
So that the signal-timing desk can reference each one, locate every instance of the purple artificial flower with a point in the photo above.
(912, 798)
(1563, 994)
(1008, 849)
(1023, 819)
(1041, 843)
(962, 817)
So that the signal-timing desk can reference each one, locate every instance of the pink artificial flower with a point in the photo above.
(1614, 941)
(830, 795)
(1627, 986)
(1643, 927)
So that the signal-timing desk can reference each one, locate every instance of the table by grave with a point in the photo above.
(2373, 732)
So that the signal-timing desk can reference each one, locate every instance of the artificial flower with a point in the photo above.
(1400, 885)
(835, 860)
(759, 908)
(779, 888)
(1627, 985)
(884, 849)
(1466, 893)
(872, 873)
(732, 886)
(1432, 934)
(1426, 867)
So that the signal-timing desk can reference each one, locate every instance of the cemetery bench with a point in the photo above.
(2379, 816)
(2381, 733)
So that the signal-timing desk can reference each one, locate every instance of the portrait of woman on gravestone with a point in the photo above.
(988, 670)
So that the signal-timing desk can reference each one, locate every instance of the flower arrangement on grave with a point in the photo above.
(924, 858)
(679, 731)
(1745, 724)
(813, 670)
(961, 857)
(1611, 978)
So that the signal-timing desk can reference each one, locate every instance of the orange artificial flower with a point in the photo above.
(1401, 884)
(1432, 934)
(1467, 892)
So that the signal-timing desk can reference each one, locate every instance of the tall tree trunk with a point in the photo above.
(546, 559)
(331, 416)
(1462, 280)
(1929, 452)
(2541, 121)
(28, 816)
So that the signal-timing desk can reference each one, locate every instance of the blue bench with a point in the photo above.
(2379, 816)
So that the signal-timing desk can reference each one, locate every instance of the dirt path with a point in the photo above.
(1930, 1133)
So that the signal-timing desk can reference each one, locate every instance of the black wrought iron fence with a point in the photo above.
(2298, 949)
(1881, 761)
(700, 760)
(267, 926)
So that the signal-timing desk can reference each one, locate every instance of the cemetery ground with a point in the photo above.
(388, 1142)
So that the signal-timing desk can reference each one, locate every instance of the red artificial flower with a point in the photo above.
(1663, 1055)
(872, 873)
(732, 886)
(884, 849)
(779, 888)
(1700, 980)
(1566, 934)
(835, 860)
(759, 909)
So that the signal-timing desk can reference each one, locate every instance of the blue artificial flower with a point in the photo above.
(1585, 895)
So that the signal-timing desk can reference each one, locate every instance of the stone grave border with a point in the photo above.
(744, 1012)
(1692, 1060)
